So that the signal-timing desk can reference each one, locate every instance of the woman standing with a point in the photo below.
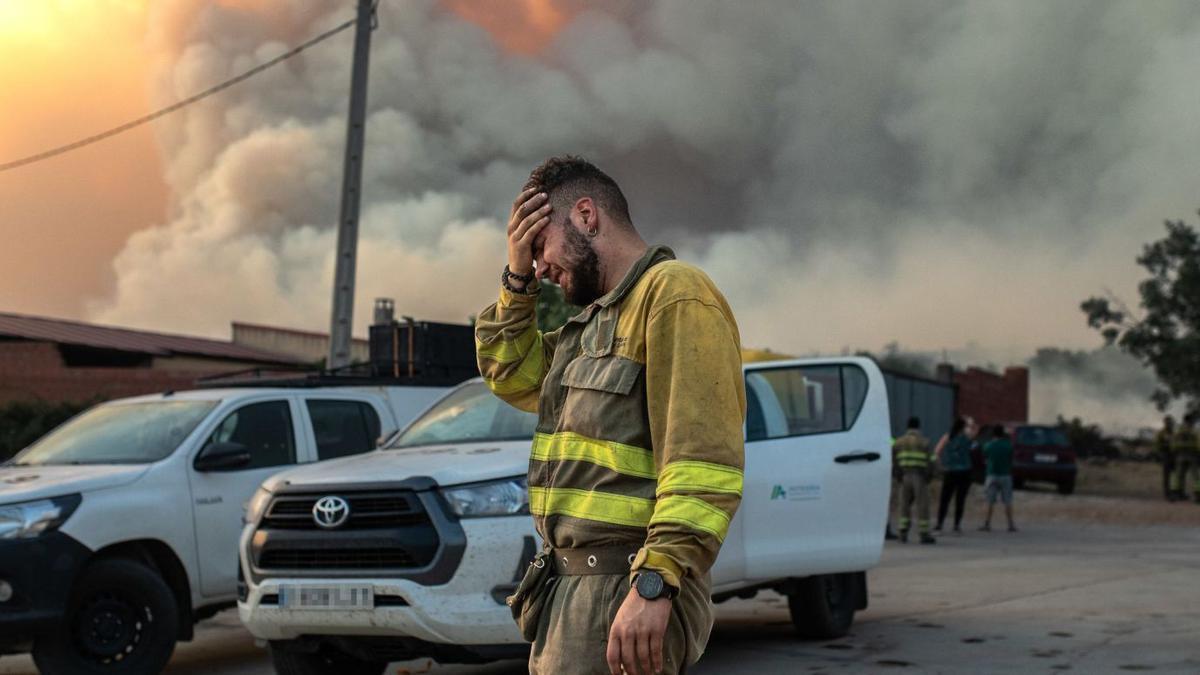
(954, 452)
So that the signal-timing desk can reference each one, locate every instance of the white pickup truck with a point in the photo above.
(409, 551)
(119, 529)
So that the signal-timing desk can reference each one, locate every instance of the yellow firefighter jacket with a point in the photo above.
(911, 451)
(640, 406)
(1184, 442)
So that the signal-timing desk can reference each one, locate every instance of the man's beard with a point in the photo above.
(583, 269)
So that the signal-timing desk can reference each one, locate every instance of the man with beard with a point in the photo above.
(636, 467)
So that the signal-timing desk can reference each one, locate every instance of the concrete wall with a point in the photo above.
(933, 402)
(311, 347)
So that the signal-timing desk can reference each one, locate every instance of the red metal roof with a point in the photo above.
(127, 340)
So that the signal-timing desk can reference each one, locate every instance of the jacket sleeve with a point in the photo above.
(513, 355)
(696, 402)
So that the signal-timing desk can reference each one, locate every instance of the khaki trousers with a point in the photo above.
(1186, 463)
(915, 487)
(572, 634)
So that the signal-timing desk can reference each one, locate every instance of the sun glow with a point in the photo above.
(520, 26)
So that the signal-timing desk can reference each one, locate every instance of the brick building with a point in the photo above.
(68, 361)
(988, 397)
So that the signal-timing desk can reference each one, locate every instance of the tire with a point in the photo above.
(822, 607)
(1066, 487)
(296, 662)
(121, 618)
(1018, 483)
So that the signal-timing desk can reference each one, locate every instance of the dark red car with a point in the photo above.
(1040, 453)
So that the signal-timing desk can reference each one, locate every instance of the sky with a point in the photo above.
(952, 176)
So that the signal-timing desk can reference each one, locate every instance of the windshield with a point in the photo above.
(469, 414)
(131, 433)
(1041, 436)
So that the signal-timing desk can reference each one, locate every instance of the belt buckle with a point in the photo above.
(591, 561)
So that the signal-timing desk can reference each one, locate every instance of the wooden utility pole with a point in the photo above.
(342, 320)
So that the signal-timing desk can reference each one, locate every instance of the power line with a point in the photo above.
(178, 104)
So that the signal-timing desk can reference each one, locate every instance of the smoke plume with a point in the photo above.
(849, 172)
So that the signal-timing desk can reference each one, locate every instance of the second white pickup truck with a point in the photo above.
(409, 551)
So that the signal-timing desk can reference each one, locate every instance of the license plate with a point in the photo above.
(1049, 459)
(331, 596)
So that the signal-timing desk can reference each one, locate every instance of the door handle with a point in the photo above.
(857, 457)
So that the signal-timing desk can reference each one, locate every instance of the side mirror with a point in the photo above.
(384, 438)
(224, 456)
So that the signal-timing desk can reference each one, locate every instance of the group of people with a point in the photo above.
(915, 465)
(1179, 449)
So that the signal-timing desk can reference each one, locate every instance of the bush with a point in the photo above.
(1087, 440)
(23, 422)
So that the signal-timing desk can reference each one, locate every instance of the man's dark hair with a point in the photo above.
(568, 178)
(958, 426)
(999, 431)
(914, 423)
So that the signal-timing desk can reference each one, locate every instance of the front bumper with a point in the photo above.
(1045, 471)
(41, 572)
(468, 609)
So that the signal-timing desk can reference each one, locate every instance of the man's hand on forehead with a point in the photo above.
(530, 213)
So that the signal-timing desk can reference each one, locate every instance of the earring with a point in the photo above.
(593, 232)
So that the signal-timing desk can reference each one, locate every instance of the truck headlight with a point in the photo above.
(30, 519)
(508, 497)
(257, 506)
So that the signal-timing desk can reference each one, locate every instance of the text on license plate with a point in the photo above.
(335, 596)
(1045, 458)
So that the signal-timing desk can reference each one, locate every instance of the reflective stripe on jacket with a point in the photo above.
(640, 408)
(911, 451)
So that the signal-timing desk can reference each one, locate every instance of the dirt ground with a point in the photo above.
(1092, 583)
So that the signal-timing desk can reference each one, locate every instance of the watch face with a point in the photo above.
(650, 585)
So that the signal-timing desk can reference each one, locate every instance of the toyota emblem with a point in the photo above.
(330, 512)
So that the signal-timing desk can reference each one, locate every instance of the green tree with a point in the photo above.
(553, 310)
(1165, 334)
(23, 422)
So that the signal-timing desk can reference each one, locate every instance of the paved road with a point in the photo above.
(1055, 597)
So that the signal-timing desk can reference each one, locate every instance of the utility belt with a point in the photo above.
(572, 562)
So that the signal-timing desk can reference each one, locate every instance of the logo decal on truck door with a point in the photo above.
(796, 493)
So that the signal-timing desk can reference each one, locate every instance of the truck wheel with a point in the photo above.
(122, 618)
(295, 662)
(823, 606)
(1066, 487)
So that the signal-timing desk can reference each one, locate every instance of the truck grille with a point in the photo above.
(386, 530)
(367, 510)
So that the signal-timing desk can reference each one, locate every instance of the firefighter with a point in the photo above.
(911, 453)
(1162, 444)
(636, 465)
(1187, 458)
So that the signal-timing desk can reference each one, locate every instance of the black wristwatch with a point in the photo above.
(650, 585)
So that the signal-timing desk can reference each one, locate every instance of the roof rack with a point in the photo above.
(355, 375)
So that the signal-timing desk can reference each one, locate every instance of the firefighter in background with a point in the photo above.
(911, 453)
(1187, 458)
(1162, 444)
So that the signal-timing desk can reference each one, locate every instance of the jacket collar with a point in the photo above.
(653, 256)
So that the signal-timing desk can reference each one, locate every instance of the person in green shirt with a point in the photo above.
(998, 453)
